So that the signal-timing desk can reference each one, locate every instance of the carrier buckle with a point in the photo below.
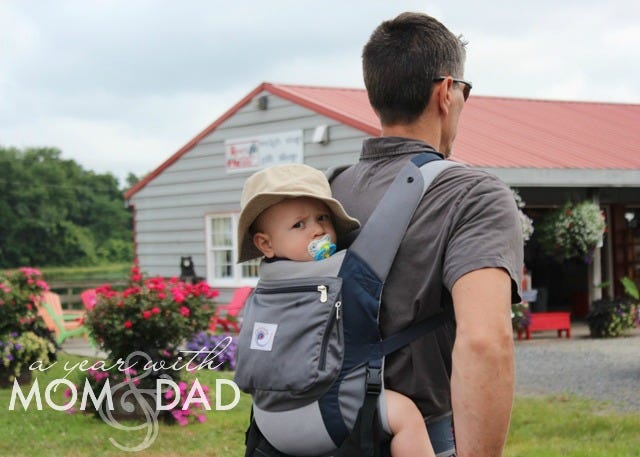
(374, 380)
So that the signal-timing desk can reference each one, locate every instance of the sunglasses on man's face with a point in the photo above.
(466, 90)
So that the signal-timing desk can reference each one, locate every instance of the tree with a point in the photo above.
(54, 212)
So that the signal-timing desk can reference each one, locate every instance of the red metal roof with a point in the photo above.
(493, 132)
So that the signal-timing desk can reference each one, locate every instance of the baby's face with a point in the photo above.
(286, 229)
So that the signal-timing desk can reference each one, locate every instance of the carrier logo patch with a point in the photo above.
(263, 335)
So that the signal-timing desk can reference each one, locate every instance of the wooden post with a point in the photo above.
(595, 267)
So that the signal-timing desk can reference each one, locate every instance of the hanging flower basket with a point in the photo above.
(525, 221)
(573, 232)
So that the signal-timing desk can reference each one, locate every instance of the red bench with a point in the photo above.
(548, 321)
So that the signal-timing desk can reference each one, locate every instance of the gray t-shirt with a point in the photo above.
(467, 220)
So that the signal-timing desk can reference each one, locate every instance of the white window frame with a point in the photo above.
(236, 280)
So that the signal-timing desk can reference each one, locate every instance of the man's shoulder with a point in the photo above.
(469, 179)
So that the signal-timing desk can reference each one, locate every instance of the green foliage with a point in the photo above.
(56, 213)
(611, 318)
(630, 288)
(573, 231)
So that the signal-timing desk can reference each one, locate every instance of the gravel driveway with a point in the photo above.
(601, 369)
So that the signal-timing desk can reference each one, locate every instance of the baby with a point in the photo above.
(288, 213)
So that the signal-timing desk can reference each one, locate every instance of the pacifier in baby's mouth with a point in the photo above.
(321, 248)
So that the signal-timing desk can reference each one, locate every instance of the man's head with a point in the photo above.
(403, 60)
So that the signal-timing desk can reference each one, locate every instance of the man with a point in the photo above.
(462, 253)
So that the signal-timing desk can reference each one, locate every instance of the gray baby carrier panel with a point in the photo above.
(310, 350)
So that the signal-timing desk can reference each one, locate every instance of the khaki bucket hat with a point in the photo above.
(277, 183)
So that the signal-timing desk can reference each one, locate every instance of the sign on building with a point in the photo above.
(260, 151)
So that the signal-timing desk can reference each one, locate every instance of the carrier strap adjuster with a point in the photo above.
(374, 380)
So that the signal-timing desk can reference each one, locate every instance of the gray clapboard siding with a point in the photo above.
(169, 225)
(183, 236)
(176, 249)
(177, 213)
(198, 200)
(172, 262)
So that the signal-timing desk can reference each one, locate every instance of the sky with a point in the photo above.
(120, 86)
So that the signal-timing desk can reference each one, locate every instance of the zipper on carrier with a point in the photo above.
(295, 289)
(336, 315)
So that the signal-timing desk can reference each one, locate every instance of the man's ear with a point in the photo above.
(444, 95)
(263, 243)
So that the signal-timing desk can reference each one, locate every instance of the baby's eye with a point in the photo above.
(324, 218)
(299, 224)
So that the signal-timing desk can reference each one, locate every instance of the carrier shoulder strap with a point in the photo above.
(388, 223)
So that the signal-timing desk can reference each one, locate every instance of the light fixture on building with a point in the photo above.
(321, 134)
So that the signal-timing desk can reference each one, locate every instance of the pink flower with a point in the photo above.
(128, 324)
(185, 311)
(136, 276)
(131, 291)
(28, 271)
(155, 310)
(146, 314)
(162, 295)
(177, 415)
(178, 294)
(202, 418)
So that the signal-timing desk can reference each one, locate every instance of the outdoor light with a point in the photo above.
(321, 134)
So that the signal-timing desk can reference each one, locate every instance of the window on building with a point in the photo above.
(222, 246)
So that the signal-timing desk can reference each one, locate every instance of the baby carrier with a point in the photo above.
(310, 351)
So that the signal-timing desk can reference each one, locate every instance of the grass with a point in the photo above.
(110, 272)
(568, 426)
(553, 426)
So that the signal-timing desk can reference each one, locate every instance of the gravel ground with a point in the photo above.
(602, 369)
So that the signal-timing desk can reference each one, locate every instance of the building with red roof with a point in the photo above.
(550, 151)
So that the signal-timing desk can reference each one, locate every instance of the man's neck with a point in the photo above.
(422, 129)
